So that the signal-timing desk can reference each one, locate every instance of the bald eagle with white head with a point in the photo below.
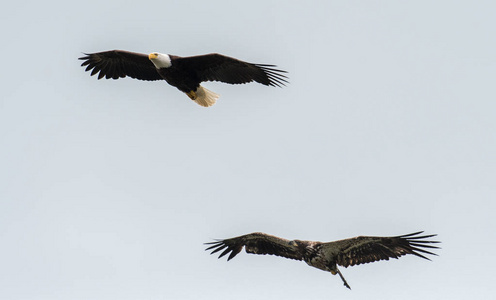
(185, 73)
(327, 256)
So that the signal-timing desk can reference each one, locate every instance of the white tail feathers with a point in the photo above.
(205, 97)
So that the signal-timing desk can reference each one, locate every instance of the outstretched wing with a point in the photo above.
(256, 243)
(216, 67)
(119, 64)
(366, 249)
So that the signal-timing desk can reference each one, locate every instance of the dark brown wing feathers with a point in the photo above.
(230, 246)
(211, 67)
(216, 67)
(362, 250)
(256, 243)
(118, 64)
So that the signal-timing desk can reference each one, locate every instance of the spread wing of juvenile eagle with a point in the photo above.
(327, 256)
(367, 249)
(256, 243)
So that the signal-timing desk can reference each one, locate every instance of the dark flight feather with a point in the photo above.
(366, 249)
(217, 67)
(119, 64)
(256, 243)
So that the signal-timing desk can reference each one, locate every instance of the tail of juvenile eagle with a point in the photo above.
(204, 97)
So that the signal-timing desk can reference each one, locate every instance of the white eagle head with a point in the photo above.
(160, 60)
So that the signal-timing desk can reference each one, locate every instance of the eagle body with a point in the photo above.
(182, 77)
(185, 73)
(327, 256)
(314, 257)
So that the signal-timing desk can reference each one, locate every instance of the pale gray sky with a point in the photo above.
(108, 189)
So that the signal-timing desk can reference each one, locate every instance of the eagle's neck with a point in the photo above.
(162, 61)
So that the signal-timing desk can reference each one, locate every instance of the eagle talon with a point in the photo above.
(191, 95)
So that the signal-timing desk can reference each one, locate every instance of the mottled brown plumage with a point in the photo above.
(326, 256)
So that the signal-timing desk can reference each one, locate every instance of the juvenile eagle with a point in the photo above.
(185, 73)
(327, 256)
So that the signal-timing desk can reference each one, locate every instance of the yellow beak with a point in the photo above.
(152, 55)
